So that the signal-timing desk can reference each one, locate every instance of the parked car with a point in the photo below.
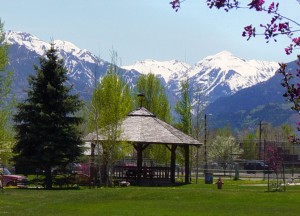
(9, 179)
(255, 165)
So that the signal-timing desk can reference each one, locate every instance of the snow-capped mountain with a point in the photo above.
(34, 44)
(225, 74)
(262, 102)
(164, 69)
(213, 77)
(231, 71)
(84, 68)
(76, 60)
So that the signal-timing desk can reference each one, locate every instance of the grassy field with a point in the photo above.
(236, 198)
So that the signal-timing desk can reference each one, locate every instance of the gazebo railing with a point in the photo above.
(130, 173)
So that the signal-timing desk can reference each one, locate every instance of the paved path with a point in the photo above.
(265, 185)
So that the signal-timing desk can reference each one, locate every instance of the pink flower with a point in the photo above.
(220, 3)
(249, 31)
(296, 41)
(271, 7)
(283, 27)
(175, 4)
(257, 4)
(289, 49)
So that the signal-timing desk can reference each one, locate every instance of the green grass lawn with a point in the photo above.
(236, 198)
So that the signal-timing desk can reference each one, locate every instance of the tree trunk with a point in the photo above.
(187, 164)
(48, 180)
(104, 173)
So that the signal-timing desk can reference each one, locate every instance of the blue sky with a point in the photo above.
(145, 29)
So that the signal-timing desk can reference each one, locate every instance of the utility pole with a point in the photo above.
(205, 148)
(259, 145)
(205, 142)
(260, 141)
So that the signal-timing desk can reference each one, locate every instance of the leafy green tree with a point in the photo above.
(183, 109)
(156, 101)
(198, 128)
(6, 103)
(111, 102)
(250, 147)
(288, 131)
(225, 150)
(224, 131)
(197, 118)
(46, 124)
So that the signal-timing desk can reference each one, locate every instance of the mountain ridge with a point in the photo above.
(221, 69)
(263, 102)
(214, 77)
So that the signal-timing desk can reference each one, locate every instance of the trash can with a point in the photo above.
(208, 178)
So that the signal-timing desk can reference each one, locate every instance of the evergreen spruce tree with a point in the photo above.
(46, 123)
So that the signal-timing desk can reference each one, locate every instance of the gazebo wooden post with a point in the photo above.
(139, 147)
(173, 162)
(139, 163)
(187, 163)
(92, 163)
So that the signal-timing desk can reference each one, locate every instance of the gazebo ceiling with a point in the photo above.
(141, 126)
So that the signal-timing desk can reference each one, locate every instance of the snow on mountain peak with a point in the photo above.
(227, 61)
(222, 69)
(222, 54)
(164, 68)
(219, 74)
(33, 43)
(29, 41)
(224, 60)
(69, 47)
(235, 72)
(66, 46)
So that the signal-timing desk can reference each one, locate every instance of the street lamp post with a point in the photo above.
(259, 147)
(205, 148)
(205, 142)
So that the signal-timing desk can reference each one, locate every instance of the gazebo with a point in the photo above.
(142, 128)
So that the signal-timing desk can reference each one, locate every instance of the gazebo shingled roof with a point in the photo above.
(142, 126)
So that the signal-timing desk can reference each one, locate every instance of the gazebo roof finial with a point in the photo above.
(141, 96)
